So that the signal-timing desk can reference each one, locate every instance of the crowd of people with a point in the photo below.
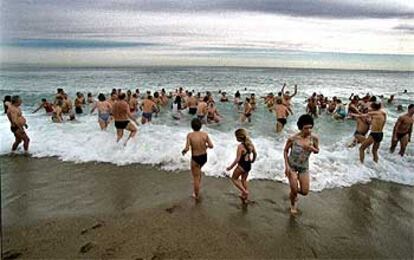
(125, 109)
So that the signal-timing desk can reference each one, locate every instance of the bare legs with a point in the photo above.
(20, 136)
(120, 132)
(299, 184)
(240, 184)
(403, 145)
(196, 172)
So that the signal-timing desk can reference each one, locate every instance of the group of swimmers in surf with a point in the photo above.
(123, 109)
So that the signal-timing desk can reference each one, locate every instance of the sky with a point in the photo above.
(346, 34)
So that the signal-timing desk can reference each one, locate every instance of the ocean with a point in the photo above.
(160, 143)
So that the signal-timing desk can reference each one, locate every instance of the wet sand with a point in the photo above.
(54, 209)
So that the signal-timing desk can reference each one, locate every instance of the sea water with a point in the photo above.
(160, 143)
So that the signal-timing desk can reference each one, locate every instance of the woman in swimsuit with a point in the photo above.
(243, 161)
(104, 111)
(297, 152)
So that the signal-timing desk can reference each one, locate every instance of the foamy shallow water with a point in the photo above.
(160, 143)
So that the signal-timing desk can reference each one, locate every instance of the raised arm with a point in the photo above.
(296, 91)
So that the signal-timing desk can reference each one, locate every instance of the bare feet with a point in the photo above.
(196, 197)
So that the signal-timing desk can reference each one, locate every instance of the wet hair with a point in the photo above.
(60, 90)
(190, 94)
(205, 99)
(376, 105)
(241, 134)
(7, 98)
(373, 99)
(247, 100)
(303, 120)
(237, 95)
(101, 97)
(44, 100)
(156, 95)
(89, 94)
(15, 99)
(121, 96)
(410, 106)
(134, 95)
(196, 124)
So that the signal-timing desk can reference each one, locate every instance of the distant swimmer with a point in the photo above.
(46, 105)
(90, 99)
(403, 129)
(199, 142)
(297, 151)
(223, 97)
(17, 124)
(104, 111)
(244, 160)
(340, 112)
(378, 119)
(148, 107)
(281, 112)
(247, 112)
(253, 101)
(122, 117)
(191, 104)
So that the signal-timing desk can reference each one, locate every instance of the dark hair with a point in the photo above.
(59, 90)
(44, 100)
(190, 94)
(7, 98)
(205, 99)
(376, 105)
(156, 95)
(303, 120)
(410, 106)
(196, 124)
(15, 99)
(237, 95)
(121, 96)
(101, 97)
(89, 94)
(373, 99)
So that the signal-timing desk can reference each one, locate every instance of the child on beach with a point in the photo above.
(243, 161)
(199, 142)
(297, 151)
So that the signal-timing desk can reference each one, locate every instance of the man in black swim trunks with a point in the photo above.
(17, 123)
(199, 142)
(402, 130)
(122, 117)
(281, 112)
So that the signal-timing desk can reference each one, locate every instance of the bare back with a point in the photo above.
(199, 142)
(120, 110)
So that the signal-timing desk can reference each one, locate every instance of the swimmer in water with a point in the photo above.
(403, 129)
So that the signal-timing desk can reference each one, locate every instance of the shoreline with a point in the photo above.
(139, 211)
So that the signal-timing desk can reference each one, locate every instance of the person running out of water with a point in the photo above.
(122, 116)
(253, 101)
(247, 112)
(6, 103)
(46, 105)
(202, 110)
(148, 107)
(17, 124)
(199, 141)
(312, 107)
(287, 97)
(244, 161)
(191, 104)
(362, 128)
(297, 151)
(281, 112)
(223, 97)
(57, 116)
(79, 103)
(213, 116)
(104, 111)
(340, 112)
(403, 129)
(378, 119)
(59, 93)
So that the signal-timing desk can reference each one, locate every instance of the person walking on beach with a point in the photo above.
(403, 129)
(122, 116)
(378, 119)
(297, 151)
(199, 142)
(244, 162)
(18, 123)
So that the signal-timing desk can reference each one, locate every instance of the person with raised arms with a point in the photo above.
(199, 141)
(403, 129)
(297, 151)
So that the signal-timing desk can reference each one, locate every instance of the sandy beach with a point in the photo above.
(55, 209)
